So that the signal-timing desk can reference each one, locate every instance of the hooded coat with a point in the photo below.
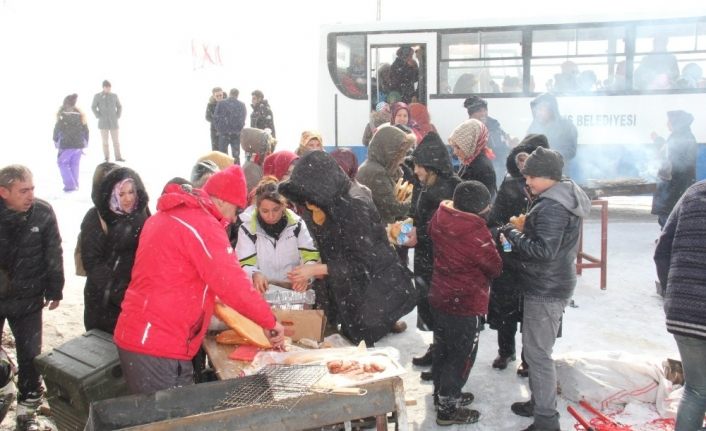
(369, 285)
(183, 262)
(465, 260)
(546, 249)
(432, 155)
(681, 149)
(108, 255)
(382, 169)
(560, 132)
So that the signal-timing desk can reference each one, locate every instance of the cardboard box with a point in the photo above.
(300, 324)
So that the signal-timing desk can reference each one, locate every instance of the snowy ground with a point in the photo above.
(626, 317)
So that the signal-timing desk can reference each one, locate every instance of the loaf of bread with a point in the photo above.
(250, 331)
(518, 222)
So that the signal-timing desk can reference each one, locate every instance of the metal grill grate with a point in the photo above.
(274, 386)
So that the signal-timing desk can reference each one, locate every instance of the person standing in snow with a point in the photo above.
(31, 278)
(183, 262)
(108, 244)
(107, 109)
(370, 286)
(681, 266)
(560, 132)
(217, 95)
(437, 181)
(545, 248)
(469, 142)
(465, 260)
(498, 140)
(70, 137)
(262, 117)
(505, 309)
(678, 170)
(229, 119)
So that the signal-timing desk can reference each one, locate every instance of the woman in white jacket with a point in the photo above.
(273, 240)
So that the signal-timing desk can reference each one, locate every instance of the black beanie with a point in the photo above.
(471, 197)
(535, 140)
(544, 163)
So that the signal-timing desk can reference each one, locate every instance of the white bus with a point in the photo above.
(611, 99)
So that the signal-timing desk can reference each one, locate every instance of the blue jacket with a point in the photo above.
(229, 116)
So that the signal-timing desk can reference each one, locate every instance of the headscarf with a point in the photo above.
(347, 160)
(307, 136)
(277, 164)
(114, 203)
(420, 115)
(472, 138)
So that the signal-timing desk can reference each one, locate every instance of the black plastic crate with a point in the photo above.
(80, 371)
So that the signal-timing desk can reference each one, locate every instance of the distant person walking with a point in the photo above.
(229, 119)
(261, 117)
(107, 108)
(70, 137)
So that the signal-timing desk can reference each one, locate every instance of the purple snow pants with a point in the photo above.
(68, 162)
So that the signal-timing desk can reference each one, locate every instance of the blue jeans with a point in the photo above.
(231, 140)
(690, 416)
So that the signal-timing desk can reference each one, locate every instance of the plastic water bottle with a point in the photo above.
(405, 229)
(507, 247)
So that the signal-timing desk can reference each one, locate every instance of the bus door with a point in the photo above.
(412, 77)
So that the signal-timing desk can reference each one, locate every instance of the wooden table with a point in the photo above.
(314, 410)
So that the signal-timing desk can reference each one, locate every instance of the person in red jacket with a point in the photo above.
(465, 260)
(183, 262)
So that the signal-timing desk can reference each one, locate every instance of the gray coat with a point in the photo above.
(107, 108)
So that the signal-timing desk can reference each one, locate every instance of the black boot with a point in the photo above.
(523, 370)
(524, 409)
(425, 359)
(426, 376)
(450, 413)
(501, 361)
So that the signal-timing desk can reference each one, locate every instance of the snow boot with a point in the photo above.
(425, 359)
(450, 413)
(524, 409)
(501, 361)
(466, 399)
(27, 413)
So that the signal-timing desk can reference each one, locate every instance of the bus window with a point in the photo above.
(347, 65)
(479, 62)
(670, 56)
(579, 60)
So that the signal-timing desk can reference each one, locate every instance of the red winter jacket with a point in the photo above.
(465, 260)
(183, 261)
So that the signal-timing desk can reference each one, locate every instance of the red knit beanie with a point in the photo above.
(228, 185)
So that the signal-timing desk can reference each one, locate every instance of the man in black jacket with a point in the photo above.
(545, 247)
(31, 278)
(261, 117)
